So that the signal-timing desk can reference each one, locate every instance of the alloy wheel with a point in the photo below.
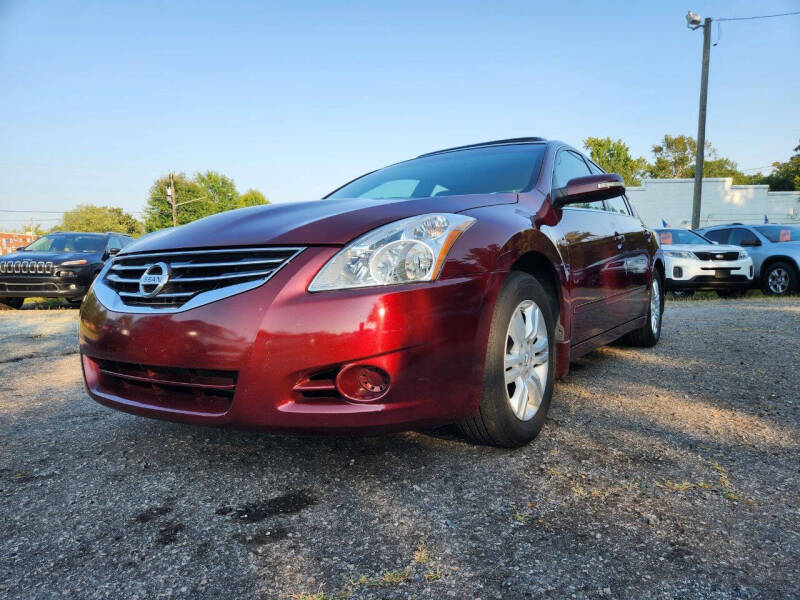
(778, 280)
(527, 361)
(655, 306)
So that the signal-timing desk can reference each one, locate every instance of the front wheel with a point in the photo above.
(779, 279)
(12, 302)
(649, 333)
(519, 370)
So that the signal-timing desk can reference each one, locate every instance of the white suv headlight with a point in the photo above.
(679, 254)
(406, 251)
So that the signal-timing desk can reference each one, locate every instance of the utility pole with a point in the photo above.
(172, 200)
(693, 22)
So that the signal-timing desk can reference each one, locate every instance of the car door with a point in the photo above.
(635, 299)
(747, 239)
(596, 266)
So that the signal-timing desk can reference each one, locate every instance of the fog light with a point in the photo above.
(362, 383)
(677, 271)
(72, 286)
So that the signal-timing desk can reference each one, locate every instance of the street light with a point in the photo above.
(693, 21)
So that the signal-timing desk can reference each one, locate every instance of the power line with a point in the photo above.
(56, 212)
(757, 168)
(786, 14)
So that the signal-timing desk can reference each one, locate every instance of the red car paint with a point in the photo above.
(277, 352)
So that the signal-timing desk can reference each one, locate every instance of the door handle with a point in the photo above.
(619, 238)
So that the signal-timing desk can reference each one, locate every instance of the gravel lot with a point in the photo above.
(663, 473)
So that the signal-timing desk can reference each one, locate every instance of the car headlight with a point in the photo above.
(743, 254)
(406, 251)
(73, 263)
(679, 254)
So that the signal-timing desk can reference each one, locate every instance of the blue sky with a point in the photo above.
(100, 98)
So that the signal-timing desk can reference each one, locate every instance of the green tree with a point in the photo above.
(785, 176)
(87, 217)
(615, 157)
(251, 198)
(204, 194)
(675, 157)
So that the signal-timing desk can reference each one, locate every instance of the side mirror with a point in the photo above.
(21, 248)
(112, 251)
(752, 242)
(589, 189)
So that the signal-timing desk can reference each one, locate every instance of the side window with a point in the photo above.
(595, 169)
(568, 166)
(126, 240)
(115, 242)
(718, 235)
(617, 205)
(741, 237)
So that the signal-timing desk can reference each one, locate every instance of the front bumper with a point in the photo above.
(45, 286)
(268, 358)
(690, 274)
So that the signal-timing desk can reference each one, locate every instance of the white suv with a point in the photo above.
(695, 263)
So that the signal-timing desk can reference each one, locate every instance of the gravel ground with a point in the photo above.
(662, 473)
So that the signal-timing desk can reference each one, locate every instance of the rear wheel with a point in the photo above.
(649, 334)
(519, 371)
(779, 279)
(12, 302)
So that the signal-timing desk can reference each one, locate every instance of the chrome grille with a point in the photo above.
(194, 274)
(717, 255)
(26, 267)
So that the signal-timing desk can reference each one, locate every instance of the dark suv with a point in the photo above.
(58, 265)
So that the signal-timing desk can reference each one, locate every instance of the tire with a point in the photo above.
(12, 302)
(779, 279)
(524, 302)
(731, 293)
(682, 293)
(649, 334)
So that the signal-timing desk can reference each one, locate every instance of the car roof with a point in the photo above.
(520, 140)
(726, 225)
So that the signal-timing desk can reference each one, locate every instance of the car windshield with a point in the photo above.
(780, 233)
(680, 236)
(68, 242)
(511, 168)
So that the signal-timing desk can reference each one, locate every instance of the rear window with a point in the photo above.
(490, 170)
(780, 233)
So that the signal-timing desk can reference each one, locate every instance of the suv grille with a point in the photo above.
(26, 267)
(717, 255)
(194, 272)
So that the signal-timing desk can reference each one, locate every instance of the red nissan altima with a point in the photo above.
(451, 288)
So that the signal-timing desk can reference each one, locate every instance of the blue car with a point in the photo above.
(775, 250)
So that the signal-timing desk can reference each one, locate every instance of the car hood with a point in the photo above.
(702, 247)
(54, 257)
(332, 222)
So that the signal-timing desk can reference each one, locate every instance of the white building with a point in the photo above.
(722, 202)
